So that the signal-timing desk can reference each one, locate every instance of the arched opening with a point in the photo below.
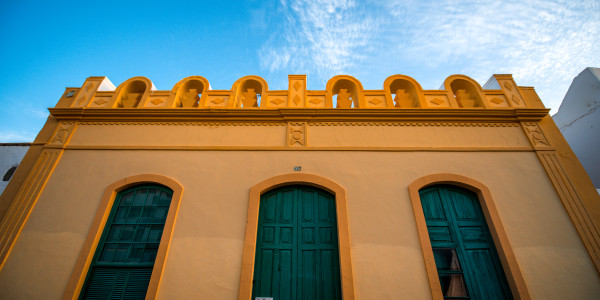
(100, 228)
(479, 193)
(309, 180)
(466, 94)
(189, 94)
(124, 258)
(405, 94)
(297, 255)
(347, 93)
(466, 259)
(250, 93)
(131, 95)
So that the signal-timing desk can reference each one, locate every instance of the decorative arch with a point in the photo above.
(410, 94)
(189, 92)
(132, 93)
(467, 92)
(351, 85)
(507, 256)
(245, 91)
(82, 265)
(334, 188)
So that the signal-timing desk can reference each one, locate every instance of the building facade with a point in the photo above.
(578, 119)
(251, 193)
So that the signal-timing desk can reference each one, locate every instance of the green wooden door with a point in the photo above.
(297, 246)
(123, 261)
(466, 258)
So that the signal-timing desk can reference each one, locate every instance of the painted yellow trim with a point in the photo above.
(573, 186)
(283, 148)
(507, 257)
(266, 115)
(82, 265)
(25, 199)
(348, 292)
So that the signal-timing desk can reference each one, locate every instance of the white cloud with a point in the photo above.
(328, 37)
(543, 43)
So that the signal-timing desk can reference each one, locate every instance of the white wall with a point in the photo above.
(579, 120)
(10, 156)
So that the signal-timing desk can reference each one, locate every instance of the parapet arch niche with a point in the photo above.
(189, 92)
(249, 92)
(403, 92)
(466, 91)
(349, 90)
(133, 93)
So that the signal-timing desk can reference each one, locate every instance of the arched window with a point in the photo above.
(466, 259)
(122, 264)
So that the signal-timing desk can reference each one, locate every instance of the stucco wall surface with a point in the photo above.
(204, 260)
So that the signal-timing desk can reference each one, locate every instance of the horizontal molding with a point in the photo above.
(296, 114)
(284, 148)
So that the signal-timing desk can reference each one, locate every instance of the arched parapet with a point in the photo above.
(338, 191)
(507, 257)
(349, 90)
(132, 93)
(407, 92)
(249, 92)
(466, 91)
(189, 92)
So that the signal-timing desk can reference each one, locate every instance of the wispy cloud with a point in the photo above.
(327, 37)
(542, 43)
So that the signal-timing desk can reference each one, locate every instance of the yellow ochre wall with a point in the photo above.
(541, 198)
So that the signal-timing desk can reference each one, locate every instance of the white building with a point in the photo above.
(579, 120)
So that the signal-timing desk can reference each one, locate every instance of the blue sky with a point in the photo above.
(49, 45)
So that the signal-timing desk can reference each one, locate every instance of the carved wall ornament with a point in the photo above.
(375, 101)
(343, 99)
(249, 98)
(437, 101)
(217, 101)
(85, 94)
(100, 101)
(497, 100)
(296, 134)
(515, 99)
(416, 124)
(403, 99)
(535, 134)
(315, 100)
(277, 101)
(208, 124)
(157, 101)
(62, 134)
(189, 98)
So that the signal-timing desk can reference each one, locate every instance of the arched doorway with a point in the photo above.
(297, 255)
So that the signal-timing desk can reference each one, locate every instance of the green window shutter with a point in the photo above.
(122, 265)
(297, 245)
(466, 258)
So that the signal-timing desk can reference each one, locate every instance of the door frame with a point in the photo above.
(249, 252)
(507, 257)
